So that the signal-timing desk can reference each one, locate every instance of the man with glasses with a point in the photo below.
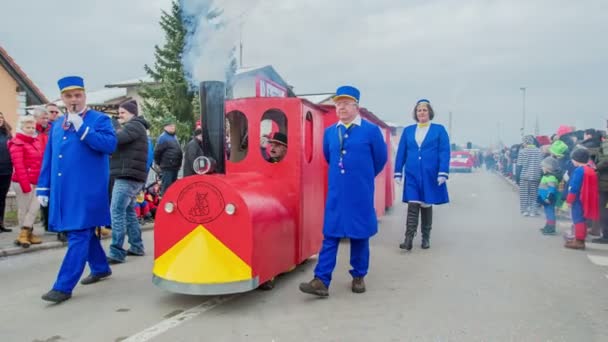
(356, 152)
(53, 111)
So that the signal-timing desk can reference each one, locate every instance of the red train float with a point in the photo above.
(249, 220)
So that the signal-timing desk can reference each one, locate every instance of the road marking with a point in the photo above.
(598, 260)
(170, 323)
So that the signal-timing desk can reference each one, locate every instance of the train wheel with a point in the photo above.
(269, 285)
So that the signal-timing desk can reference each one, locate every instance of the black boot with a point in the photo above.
(411, 225)
(427, 224)
(3, 229)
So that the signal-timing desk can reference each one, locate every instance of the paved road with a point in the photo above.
(489, 276)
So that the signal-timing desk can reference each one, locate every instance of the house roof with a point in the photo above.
(267, 70)
(21, 78)
(132, 82)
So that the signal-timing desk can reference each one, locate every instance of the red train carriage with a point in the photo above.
(237, 228)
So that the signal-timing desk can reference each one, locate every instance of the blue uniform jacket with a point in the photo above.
(75, 173)
(349, 210)
(424, 164)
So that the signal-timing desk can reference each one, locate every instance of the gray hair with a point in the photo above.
(38, 111)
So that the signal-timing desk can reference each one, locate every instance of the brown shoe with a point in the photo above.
(315, 287)
(575, 244)
(358, 285)
(23, 239)
(34, 239)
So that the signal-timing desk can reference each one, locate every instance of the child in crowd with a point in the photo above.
(582, 197)
(153, 197)
(142, 208)
(547, 192)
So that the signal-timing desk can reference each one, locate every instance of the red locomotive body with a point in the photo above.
(229, 233)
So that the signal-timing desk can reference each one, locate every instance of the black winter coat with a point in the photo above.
(6, 165)
(193, 150)
(129, 161)
(168, 153)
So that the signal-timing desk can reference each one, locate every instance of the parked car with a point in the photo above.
(461, 161)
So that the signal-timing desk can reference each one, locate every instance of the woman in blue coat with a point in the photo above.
(423, 162)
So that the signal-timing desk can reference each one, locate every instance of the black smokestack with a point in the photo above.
(212, 95)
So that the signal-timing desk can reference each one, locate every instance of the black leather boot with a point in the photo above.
(427, 224)
(411, 225)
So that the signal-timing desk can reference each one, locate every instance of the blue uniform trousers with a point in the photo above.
(83, 247)
(359, 258)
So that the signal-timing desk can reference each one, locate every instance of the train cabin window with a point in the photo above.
(237, 140)
(308, 137)
(273, 136)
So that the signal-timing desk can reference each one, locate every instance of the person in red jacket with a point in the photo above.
(26, 153)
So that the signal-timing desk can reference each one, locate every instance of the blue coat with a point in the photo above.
(424, 164)
(349, 210)
(75, 173)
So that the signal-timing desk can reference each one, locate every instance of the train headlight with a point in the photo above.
(169, 207)
(230, 209)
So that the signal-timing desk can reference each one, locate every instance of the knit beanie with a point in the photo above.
(550, 164)
(130, 106)
(528, 140)
(581, 155)
(558, 148)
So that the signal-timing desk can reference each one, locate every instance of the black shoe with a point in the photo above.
(92, 278)
(63, 237)
(135, 254)
(56, 296)
(600, 240)
(114, 261)
(3, 229)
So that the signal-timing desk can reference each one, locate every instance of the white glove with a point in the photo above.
(76, 120)
(43, 200)
(441, 180)
(398, 180)
(566, 177)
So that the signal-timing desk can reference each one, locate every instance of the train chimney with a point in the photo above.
(212, 96)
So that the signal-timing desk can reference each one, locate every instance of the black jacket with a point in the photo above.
(193, 150)
(129, 161)
(6, 165)
(168, 152)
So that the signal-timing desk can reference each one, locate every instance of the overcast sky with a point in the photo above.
(469, 57)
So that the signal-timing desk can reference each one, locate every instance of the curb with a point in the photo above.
(6, 252)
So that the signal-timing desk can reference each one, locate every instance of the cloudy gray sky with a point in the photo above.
(469, 57)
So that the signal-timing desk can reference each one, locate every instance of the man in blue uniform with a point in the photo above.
(74, 184)
(356, 152)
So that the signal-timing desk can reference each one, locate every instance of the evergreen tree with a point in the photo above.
(170, 96)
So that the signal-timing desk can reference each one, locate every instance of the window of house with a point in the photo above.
(237, 139)
(273, 136)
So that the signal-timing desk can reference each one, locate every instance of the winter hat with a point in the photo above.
(131, 107)
(278, 137)
(581, 155)
(558, 148)
(528, 140)
(563, 129)
(550, 164)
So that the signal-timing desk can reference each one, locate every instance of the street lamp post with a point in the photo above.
(523, 115)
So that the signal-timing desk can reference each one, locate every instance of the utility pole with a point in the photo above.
(450, 127)
(523, 116)
(536, 127)
(241, 46)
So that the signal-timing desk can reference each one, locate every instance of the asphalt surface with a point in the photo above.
(489, 276)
